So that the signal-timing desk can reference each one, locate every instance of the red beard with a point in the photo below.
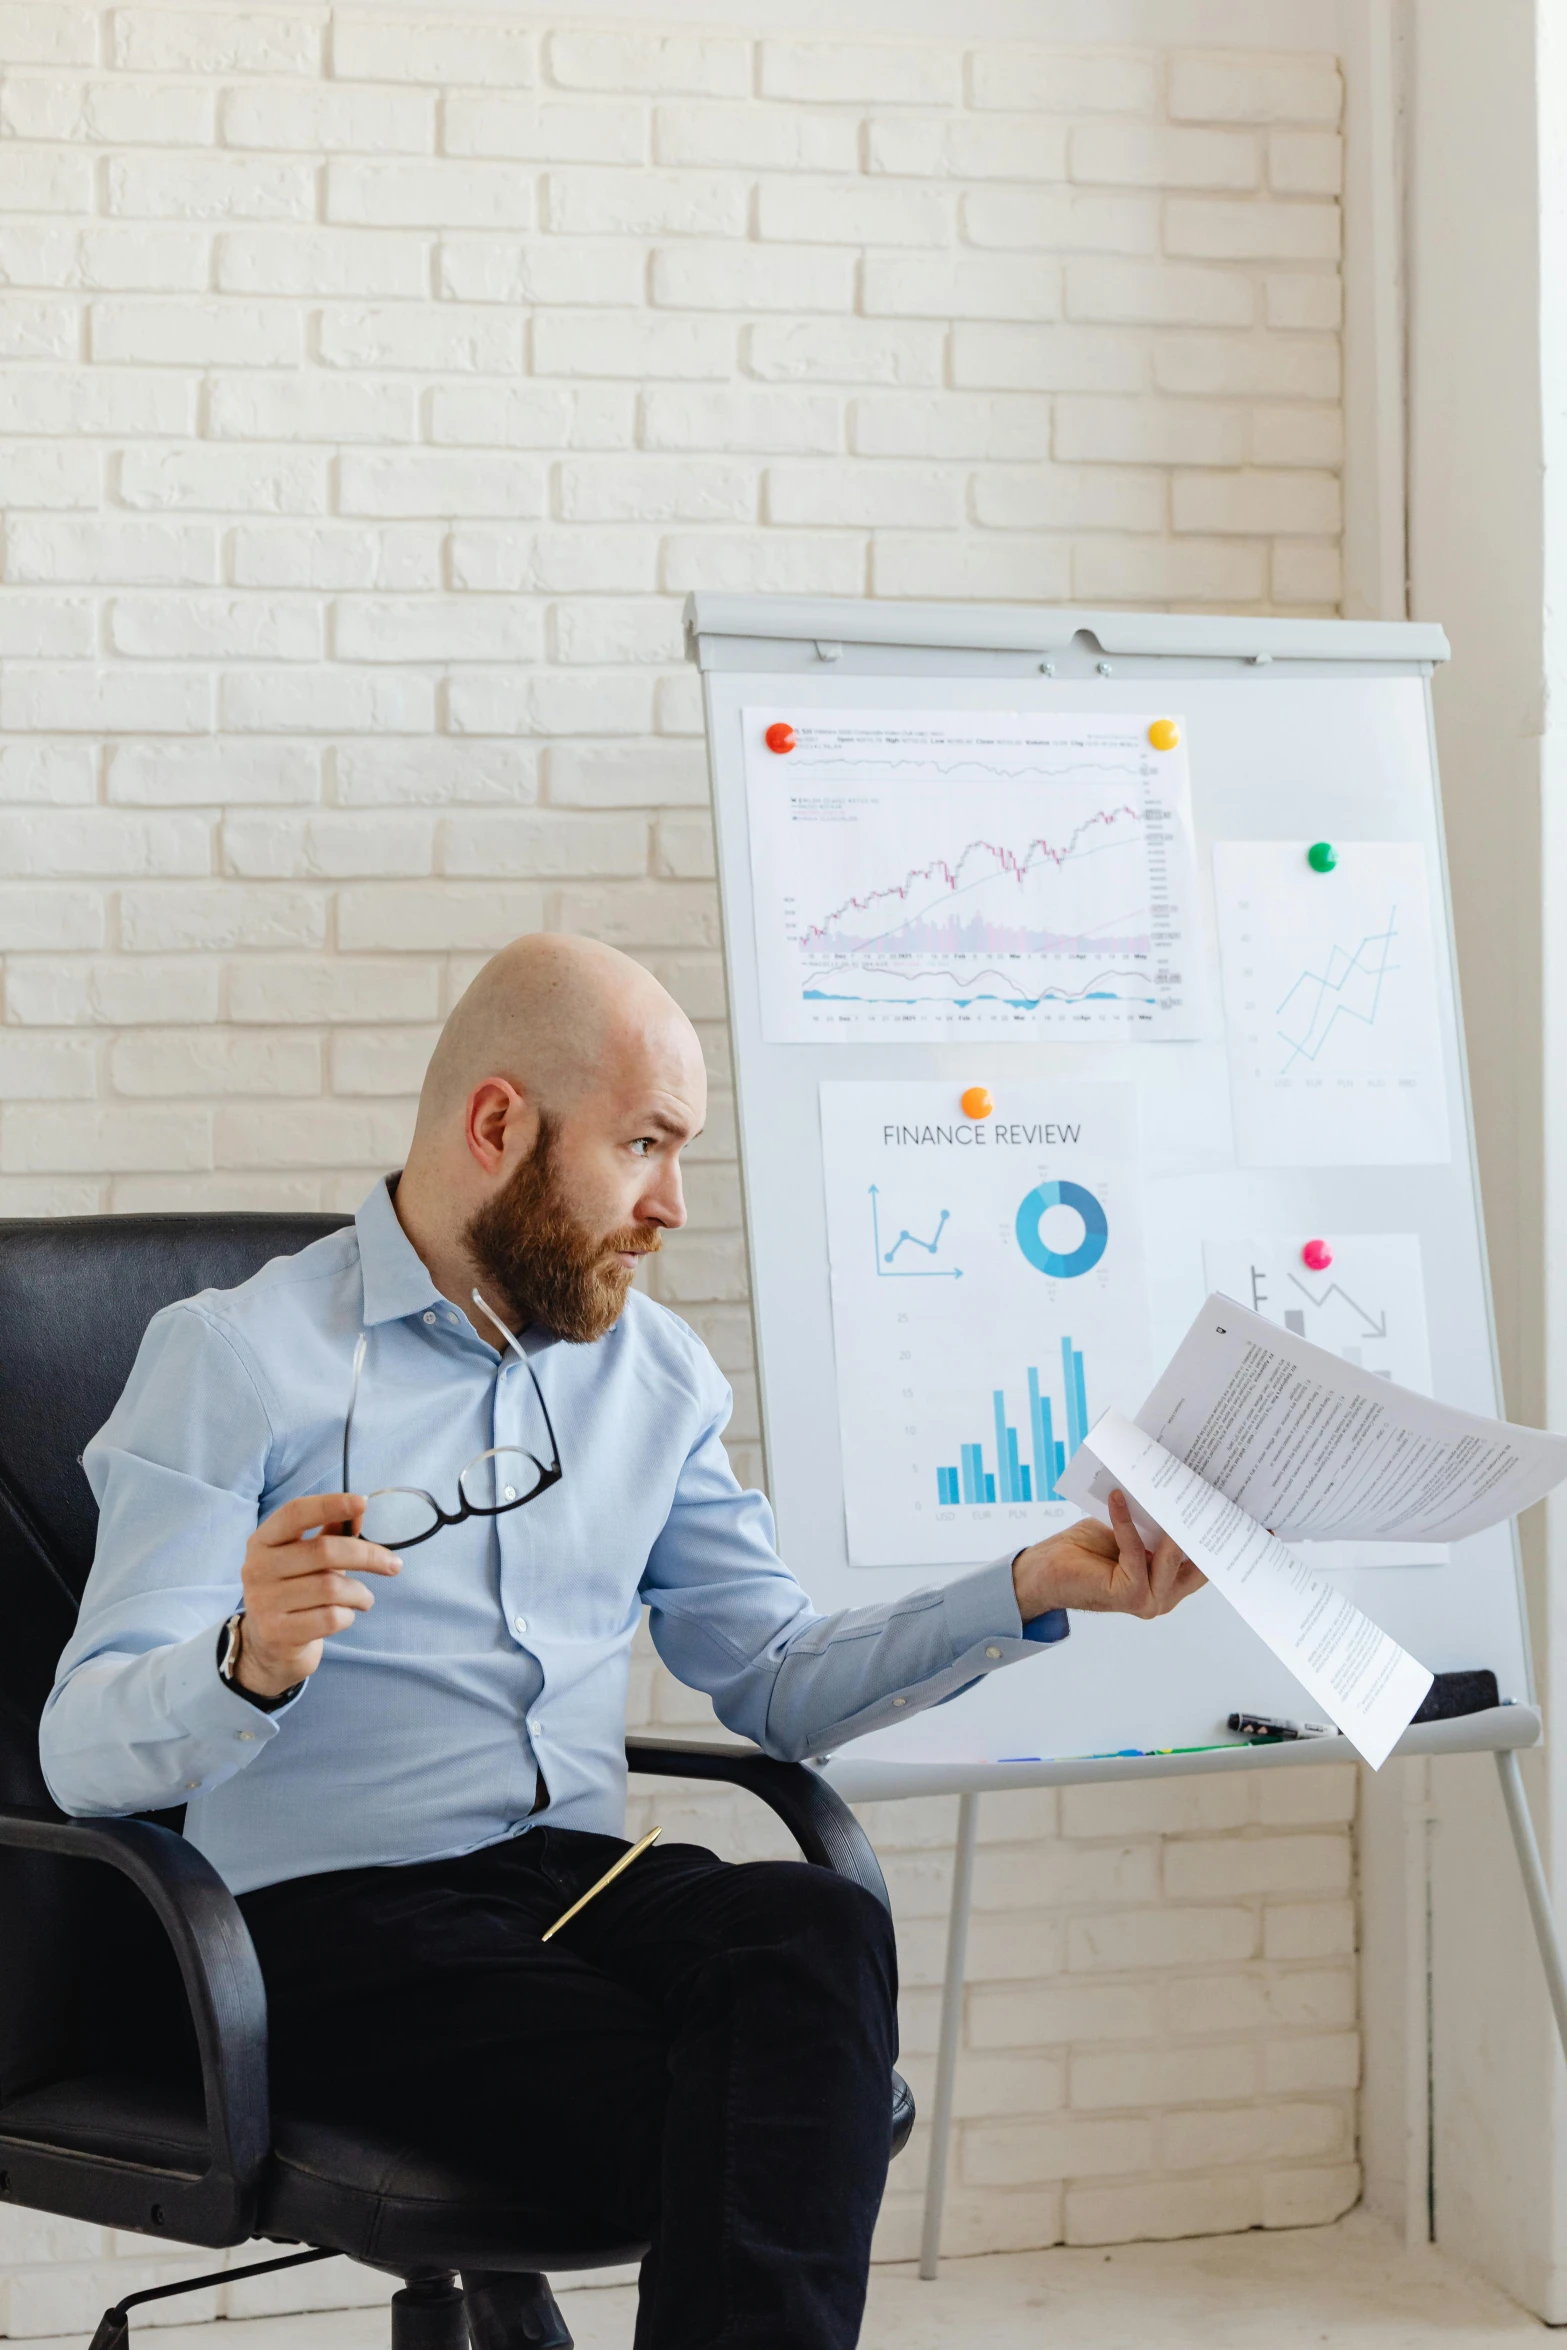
(546, 1264)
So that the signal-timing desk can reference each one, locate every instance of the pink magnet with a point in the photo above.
(1317, 1255)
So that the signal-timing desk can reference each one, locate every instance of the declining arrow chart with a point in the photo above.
(924, 874)
(1330, 1000)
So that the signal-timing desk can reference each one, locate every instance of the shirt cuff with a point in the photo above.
(984, 1606)
(200, 1702)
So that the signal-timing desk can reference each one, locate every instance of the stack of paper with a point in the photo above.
(1254, 1437)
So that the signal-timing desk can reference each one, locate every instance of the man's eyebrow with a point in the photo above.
(662, 1123)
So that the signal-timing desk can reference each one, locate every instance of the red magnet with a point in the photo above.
(1316, 1255)
(780, 736)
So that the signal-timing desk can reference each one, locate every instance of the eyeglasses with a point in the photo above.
(504, 1478)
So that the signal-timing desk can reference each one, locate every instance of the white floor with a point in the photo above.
(1351, 2286)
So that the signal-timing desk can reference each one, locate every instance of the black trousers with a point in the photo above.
(702, 2059)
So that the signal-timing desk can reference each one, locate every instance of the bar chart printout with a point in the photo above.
(987, 1296)
(1012, 1478)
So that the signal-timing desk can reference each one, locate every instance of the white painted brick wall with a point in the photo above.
(373, 384)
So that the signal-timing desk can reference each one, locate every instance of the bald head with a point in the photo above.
(546, 1156)
(555, 1016)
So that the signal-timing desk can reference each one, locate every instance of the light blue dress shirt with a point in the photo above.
(503, 1646)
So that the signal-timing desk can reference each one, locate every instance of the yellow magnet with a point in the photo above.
(976, 1103)
(1164, 734)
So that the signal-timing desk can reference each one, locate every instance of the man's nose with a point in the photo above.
(664, 1201)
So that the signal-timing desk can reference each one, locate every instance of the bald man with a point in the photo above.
(375, 1532)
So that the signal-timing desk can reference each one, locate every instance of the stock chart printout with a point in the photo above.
(1331, 1006)
(921, 874)
(988, 1303)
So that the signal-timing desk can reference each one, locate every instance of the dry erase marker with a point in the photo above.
(1274, 1726)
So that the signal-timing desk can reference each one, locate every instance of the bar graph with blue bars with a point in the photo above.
(1012, 1478)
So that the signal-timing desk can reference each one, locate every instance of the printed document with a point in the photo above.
(1253, 1438)
(1369, 1306)
(1323, 1450)
(1359, 1676)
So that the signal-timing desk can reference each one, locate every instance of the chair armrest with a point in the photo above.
(815, 1814)
(223, 1990)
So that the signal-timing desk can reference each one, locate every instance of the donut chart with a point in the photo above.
(1089, 1250)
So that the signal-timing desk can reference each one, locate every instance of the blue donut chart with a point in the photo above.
(1089, 1250)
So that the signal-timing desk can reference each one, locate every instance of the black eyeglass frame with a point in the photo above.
(548, 1476)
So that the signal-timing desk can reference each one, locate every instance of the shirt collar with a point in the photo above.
(396, 1283)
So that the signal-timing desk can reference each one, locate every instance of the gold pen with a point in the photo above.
(608, 1878)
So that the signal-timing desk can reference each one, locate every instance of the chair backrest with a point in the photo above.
(76, 1295)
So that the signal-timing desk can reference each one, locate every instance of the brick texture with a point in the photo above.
(375, 383)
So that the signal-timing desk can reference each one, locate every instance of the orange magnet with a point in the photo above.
(1164, 734)
(977, 1102)
(1316, 1255)
(780, 736)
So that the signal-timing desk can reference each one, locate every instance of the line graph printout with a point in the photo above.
(988, 1300)
(924, 874)
(1331, 1006)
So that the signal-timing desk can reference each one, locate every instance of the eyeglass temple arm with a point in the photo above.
(353, 1398)
(549, 1425)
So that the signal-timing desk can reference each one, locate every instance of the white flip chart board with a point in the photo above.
(970, 865)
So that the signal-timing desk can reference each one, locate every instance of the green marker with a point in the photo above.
(1322, 856)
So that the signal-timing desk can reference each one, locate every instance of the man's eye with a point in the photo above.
(642, 1145)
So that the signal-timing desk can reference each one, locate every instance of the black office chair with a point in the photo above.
(133, 2022)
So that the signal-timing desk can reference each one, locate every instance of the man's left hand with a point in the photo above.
(1105, 1569)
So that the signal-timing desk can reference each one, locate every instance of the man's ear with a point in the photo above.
(496, 1115)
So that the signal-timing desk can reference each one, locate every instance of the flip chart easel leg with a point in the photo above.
(1535, 1886)
(951, 2032)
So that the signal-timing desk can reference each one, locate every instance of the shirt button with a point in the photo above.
(247, 1737)
(429, 1317)
(510, 1493)
(535, 1729)
(992, 1652)
(900, 1701)
(191, 1786)
(521, 1623)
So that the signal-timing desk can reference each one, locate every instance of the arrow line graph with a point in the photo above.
(887, 1271)
(911, 1239)
(1364, 970)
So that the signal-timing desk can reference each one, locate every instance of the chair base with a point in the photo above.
(428, 2315)
(515, 2312)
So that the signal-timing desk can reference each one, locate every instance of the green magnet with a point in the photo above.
(1322, 856)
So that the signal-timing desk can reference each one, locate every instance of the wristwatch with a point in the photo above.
(228, 1667)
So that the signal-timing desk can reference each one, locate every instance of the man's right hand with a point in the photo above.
(301, 1586)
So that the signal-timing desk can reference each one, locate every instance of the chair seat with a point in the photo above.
(368, 2194)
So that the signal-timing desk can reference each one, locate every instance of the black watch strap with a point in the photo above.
(228, 1652)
